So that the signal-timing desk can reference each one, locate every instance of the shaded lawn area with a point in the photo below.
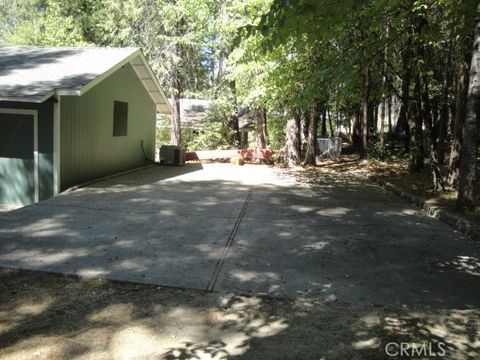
(46, 316)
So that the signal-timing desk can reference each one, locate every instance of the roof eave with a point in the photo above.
(157, 84)
(101, 77)
(27, 99)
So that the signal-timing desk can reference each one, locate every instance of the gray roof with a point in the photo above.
(194, 112)
(30, 73)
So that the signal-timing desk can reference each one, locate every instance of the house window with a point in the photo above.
(120, 118)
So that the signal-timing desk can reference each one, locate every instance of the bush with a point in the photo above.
(375, 149)
(215, 133)
(276, 131)
(163, 131)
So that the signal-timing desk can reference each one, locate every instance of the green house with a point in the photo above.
(71, 115)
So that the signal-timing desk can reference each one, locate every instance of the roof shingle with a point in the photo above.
(35, 72)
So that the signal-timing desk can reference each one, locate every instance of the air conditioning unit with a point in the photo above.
(172, 155)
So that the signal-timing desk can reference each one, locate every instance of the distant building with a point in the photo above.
(193, 114)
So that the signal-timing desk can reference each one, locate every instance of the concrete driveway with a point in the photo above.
(248, 229)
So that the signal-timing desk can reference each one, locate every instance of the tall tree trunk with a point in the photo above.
(416, 154)
(330, 124)
(442, 133)
(292, 141)
(357, 130)
(233, 121)
(338, 119)
(310, 154)
(424, 113)
(262, 133)
(382, 119)
(438, 183)
(304, 120)
(470, 130)
(323, 132)
(402, 123)
(384, 86)
(222, 63)
(373, 116)
(389, 107)
(366, 112)
(176, 132)
(232, 85)
(459, 119)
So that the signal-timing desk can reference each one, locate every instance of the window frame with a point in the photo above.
(120, 118)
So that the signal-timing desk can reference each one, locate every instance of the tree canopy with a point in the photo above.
(389, 76)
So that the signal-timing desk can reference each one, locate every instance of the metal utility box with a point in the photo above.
(172, 155)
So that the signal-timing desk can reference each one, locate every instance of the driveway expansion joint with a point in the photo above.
(231, 237)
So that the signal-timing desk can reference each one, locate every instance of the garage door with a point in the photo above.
(18, 157)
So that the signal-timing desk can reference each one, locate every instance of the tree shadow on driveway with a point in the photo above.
(338, 272)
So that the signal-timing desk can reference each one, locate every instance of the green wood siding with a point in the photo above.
(16, 172)
(88, 148)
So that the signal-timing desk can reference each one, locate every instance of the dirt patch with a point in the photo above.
(46, 316)
(394, 171)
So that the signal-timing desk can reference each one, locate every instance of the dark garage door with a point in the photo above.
(17, 164)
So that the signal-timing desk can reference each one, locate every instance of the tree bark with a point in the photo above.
(444, 111)
(357, 130)
(338, 119)
(372, 116)
(262, 133)
(470, 130)
(402, 123)
(389, 107)
(438, 183)
(233, 121)
(330, 124)
(292, 141)
(311, 153)
(459, 119)
(232, 85)
(324, 122)
(383, 107)
(176, 132)
(416, 154)
(366, 112)
(304, 120)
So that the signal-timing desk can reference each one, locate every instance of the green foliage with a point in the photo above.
(275, 54)
(163, 131)
(46, 25)
(212, 136)
(174, 36)
(13, 13)
(276, 130)
(377, 149)
(215, 133)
